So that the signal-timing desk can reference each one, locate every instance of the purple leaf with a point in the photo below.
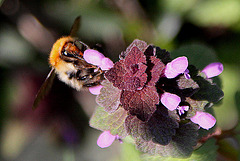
(141, 103)
(129, 73)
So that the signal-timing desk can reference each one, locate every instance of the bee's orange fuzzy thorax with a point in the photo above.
(54, 58)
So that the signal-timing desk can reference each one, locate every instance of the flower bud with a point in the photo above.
(213, 69)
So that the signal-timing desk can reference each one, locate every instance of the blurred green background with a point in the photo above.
(204, 30)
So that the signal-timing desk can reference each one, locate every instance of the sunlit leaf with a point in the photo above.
(114, 122)
(109, 97)
(195, 106)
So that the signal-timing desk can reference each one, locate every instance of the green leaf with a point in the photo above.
(114, 122)
(208, 91)
(195, 106)
(188, 86)
(159, 128)
(137, 128)
(181, 145)
(186, 83)
(207, 152)
(109, 97)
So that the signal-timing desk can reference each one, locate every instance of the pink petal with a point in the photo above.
(213, 69)
(204, 119)
(106, 64)
(169, 72)
(105, 139)
(93, 57)
(176, 67)
(95, 90)
(171, 101)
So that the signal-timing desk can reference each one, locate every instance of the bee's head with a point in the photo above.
(55, 57)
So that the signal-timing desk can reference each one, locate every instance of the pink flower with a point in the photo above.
(171, 101)
(186, 74)
(204, 120)
(176, 67)
(96, 58)
(213, 69)
(106, 139)
(182, 109)
(106, 64)
(95, 90)
(93, 57)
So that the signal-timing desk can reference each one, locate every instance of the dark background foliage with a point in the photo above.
(205, 31)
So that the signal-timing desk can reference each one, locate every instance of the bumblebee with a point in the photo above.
(66, 60)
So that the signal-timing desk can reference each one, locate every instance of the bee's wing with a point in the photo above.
(45, 88)
(75, 26)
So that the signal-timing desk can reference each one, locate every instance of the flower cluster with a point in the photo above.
(161, 103)
(96, 58)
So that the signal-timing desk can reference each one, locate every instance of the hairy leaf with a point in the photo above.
(187, 86)
(159, 128)
(195, 106)
(186, 83)
(181, 145)
(129, 73)
(207, 152)
(141, 103)
(156, 70)
(162, 127)
(208, 91)
(142, 45)
(137, 128)
(162, 54)
(109, 97)
(114, 122)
